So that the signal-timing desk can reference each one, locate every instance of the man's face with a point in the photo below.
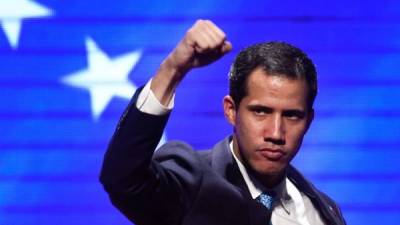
(270, 122)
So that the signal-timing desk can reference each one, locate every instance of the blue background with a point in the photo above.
(51, 148)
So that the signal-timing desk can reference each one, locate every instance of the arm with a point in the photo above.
(129, 174)
(203, 44)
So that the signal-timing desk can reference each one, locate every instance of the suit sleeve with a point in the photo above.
(145, 189)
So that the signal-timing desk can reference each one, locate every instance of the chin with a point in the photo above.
(269, 170)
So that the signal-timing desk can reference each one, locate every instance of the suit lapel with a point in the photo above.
(223, 163)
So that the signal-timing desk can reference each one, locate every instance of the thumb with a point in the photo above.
(226, 47)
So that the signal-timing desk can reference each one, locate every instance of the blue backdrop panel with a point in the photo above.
(53, 133)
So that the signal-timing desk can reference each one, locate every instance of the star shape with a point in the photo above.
(104, 78)
(12, 12)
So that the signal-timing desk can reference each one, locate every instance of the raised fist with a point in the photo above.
(202, 44)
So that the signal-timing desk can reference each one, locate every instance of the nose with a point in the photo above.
(275, 130)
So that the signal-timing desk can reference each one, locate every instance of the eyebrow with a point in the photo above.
(297, 112)
(260, 108)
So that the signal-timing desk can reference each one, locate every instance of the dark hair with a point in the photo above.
(276, 59)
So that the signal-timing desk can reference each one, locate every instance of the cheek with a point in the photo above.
(249, 128)
(296, 135)
(249, 135)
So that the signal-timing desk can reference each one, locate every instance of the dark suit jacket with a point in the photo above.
(182, 186)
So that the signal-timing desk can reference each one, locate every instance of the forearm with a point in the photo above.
(166, 81)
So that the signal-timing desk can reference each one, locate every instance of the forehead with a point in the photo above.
(263, 88)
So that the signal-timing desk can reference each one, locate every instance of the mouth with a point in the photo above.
(272, 154)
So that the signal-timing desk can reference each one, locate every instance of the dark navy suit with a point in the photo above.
(181, 186)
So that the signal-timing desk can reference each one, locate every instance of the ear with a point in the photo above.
(310, 118)
(229, 109)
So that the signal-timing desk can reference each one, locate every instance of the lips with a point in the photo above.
(272, 154)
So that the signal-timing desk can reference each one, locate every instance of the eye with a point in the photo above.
(294, 115)
(259, 110)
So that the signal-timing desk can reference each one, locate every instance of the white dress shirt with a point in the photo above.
(292, 208)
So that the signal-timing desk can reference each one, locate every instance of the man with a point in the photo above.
(244, 179)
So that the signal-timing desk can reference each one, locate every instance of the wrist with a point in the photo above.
(165, 81)
(173, 69)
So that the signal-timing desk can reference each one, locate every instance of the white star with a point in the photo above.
(104, 78)
(13, 11)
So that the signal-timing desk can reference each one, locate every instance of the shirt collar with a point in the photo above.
(256, 188)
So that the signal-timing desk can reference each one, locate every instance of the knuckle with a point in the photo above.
(199, 21)
(223, 35)
(189, 32)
